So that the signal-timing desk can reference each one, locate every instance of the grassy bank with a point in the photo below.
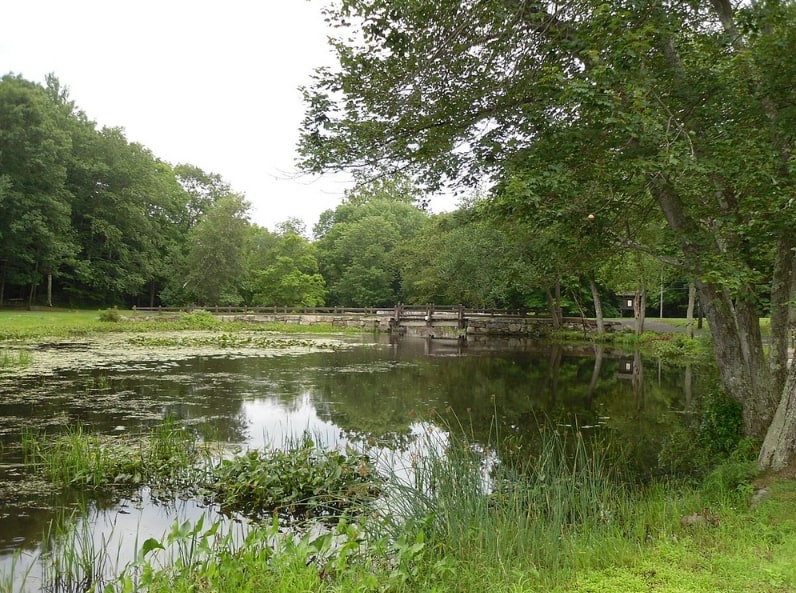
(32, 325)
(659, 538)
(560, 517)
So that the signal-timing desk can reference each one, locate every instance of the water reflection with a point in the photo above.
(386, 393)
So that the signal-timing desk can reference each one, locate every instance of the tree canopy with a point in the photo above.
(680, 111)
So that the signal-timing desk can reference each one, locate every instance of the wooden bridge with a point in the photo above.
(429, 321)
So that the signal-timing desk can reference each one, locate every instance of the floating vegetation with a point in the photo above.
(226, 340)
(298, 481)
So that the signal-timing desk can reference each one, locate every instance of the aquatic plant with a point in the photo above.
(226, 340)
(299, 480)
(527, 510)
(14, 358)
(166, 457)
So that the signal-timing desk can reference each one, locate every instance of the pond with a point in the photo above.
(347, 390)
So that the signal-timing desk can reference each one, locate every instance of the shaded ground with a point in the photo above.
(659, 325)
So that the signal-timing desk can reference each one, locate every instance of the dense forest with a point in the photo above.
(88, 218)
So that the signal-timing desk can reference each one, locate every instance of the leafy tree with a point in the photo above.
(212, 269)
(203, 190)
(461, 258)
(292, 226)
(358, 242)
(126, 202)
(286, 270)
(679, 108)
(35, 237)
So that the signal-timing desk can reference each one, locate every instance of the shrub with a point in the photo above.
(110, 315)
(199, 319)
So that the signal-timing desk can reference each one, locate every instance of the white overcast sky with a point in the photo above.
(214, 84)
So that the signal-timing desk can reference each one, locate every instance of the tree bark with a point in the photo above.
(598, 306)
(780, 442)
(736, 334)
(731, 357)
(639, 310)
(781, 292)
(689, 316)
(554, 308)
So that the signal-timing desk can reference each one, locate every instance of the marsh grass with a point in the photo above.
(169, 457)
(14, 358)
(520, 516)
(71, 559)
(555, 514)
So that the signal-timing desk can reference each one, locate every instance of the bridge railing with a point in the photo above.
(399, 311)
(273, 310)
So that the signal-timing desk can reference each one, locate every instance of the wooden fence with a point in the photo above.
(399, 311)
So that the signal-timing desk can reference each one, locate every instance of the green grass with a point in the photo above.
(168, 456)
(31, 325)
(559, 517)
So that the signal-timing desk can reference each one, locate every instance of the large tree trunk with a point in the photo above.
(736, 337)
(780, 442)
(598, 306)
(781, 291)
(739, 358)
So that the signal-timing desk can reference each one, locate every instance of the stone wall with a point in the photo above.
(531, 327)
(366, 322)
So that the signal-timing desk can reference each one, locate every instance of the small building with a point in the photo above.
(626, 303)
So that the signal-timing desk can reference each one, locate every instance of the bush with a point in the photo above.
(199, 319)
(730, 479)
(110, 315)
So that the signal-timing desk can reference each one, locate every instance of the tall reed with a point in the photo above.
(166, 457)
(14, 358)
(524, 515)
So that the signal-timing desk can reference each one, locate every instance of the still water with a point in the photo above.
(375, 390)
